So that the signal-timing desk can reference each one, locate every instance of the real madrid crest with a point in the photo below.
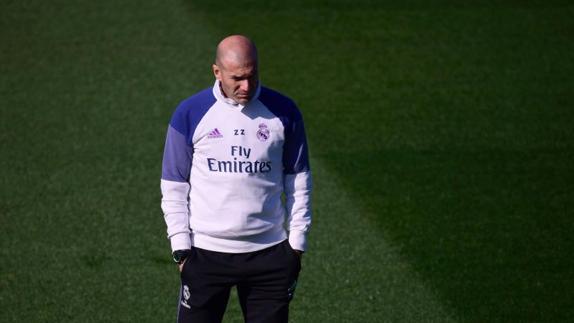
(263, 133)
(186, 293)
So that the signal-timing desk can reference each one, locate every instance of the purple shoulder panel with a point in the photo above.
(295, 151)
(178, 152)
(177, 156)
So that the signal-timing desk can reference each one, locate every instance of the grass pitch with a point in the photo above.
(441, 142)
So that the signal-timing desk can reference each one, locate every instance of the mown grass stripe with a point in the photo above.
(352, 273)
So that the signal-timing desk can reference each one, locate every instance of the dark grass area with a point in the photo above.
(448, 124)
(491, 230)
(87, 90)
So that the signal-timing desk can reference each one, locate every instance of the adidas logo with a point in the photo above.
(214, 134)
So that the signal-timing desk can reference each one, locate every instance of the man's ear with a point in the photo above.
(216, 71)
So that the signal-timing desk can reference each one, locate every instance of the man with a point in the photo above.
(231, 153)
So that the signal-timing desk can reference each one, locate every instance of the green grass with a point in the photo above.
(440, 138)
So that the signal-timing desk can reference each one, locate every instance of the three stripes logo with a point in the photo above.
(214, 134)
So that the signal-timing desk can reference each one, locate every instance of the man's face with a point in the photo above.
(238, 80)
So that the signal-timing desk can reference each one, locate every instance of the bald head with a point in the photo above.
(236, 68)
(236, 50)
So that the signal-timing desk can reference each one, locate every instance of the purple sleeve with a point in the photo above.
(177, 157)
(178, 152)
(295, 152)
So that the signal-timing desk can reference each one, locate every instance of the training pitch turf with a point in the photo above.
(440, 136)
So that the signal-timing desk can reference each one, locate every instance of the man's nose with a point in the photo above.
(244, 85)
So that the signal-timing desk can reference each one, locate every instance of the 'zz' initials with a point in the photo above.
(239, 132)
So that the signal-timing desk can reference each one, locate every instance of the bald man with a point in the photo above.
(232, 151)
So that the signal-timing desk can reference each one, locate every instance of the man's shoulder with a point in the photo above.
(279, 104)
(191, 110)
(203, 98)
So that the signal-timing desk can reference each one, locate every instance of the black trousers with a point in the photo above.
(265, 281)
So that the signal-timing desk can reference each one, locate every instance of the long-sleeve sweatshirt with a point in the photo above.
(226, 168)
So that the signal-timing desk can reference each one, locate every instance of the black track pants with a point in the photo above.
(265, 281)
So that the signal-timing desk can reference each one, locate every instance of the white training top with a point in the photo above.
(225, 168)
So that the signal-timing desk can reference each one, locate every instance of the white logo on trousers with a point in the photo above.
(186, 295)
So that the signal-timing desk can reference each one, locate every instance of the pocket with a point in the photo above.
(185, 265)
(296, 257)
(295, 253)
(187, 262)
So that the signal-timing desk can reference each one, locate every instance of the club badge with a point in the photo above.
(186, 295)
(263, 133)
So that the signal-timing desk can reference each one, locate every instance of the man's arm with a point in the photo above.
(175, 187)
(298, 204)
(297, 183)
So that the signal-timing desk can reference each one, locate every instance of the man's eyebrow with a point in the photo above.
(240, 76)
